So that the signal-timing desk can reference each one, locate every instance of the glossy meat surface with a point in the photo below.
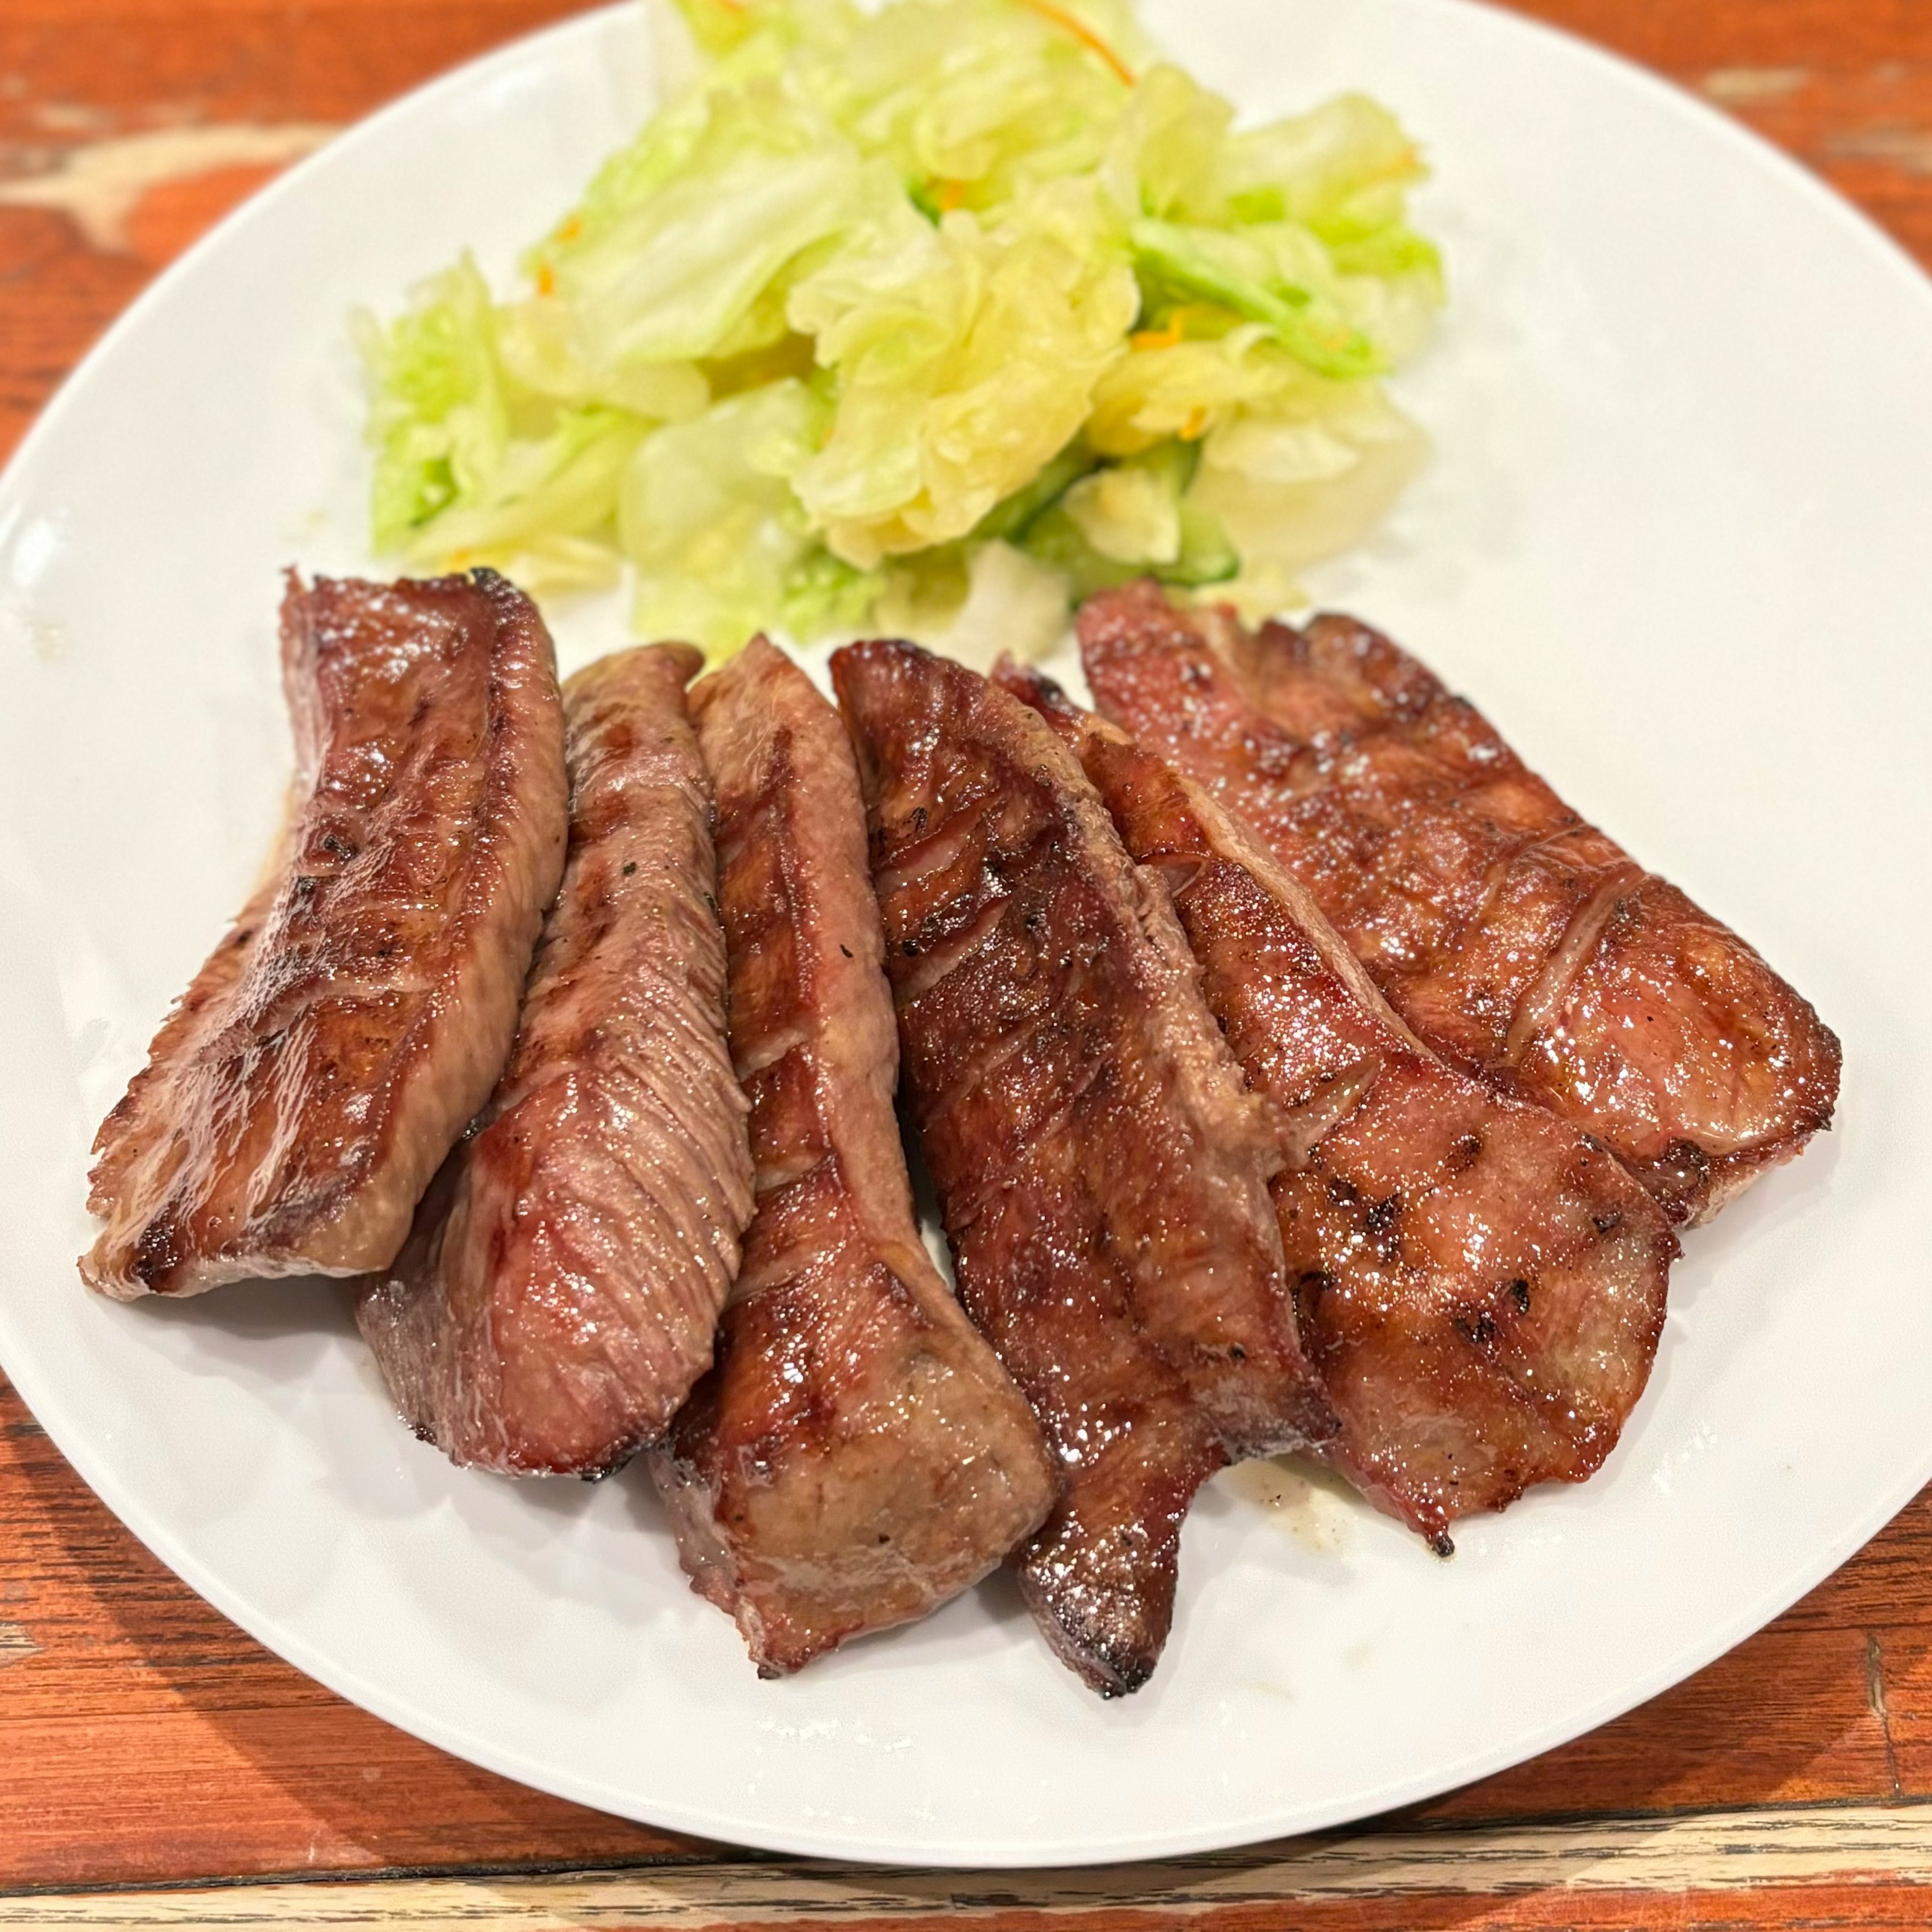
(559, 1293)
(1102, 1171)
(299, 1097)
(1519, 942)
(1480, 1287)
(858, 1456)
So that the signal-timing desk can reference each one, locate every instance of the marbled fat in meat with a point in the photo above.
(558, 1295)
(1518, 942)
(299, 1097)
(1101, 1170)
(1481, 1286)
(858, 1456)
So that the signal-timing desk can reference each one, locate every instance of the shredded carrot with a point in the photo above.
(952, 194)
(1197, 421)
(1168, 336)
(546, 280)
(572, 229)
(1173, 332)
(1084, 34)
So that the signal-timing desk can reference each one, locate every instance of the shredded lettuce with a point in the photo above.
(952, 310)
(964, 357)
(1137, 517)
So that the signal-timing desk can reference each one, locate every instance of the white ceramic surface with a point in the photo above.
(1677, 541)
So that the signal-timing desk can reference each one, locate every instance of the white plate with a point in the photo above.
(1678, 541)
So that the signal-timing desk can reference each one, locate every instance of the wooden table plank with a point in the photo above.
(152, 1743)
(1757, 1869)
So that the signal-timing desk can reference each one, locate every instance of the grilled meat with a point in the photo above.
(1481, 1286)
(1101, 1172)
(858, 1456)
(1520, 943)
(297, 1101)
(558, 1295)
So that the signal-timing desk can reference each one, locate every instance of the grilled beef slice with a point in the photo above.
(298, 1099)
(1520, 943)
(559, 1293)
(1102, 1171)
(1481, 1286)
(858, 1456)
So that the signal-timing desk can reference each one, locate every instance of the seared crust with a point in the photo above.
(858, 1456)
(1481, 1286)
(558, 1296)
(1518, 942)
(1102, 1171)
(297, 1101)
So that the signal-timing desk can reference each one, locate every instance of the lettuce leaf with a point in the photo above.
(1302, 478)
(708, 515)
(1131, 519)
(965, 357)
(439, 417)
(940, 297)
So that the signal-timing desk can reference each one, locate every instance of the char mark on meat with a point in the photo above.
(298, 1099)
(1519, 942)
(858, 1456)
(559, 1293)
(1102, 1171)
(1481, 1286)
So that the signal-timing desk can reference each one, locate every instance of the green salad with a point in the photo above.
(934, 318)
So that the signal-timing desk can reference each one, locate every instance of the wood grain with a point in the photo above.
(1740, 1868)
(150, 1743)
(430, 1907)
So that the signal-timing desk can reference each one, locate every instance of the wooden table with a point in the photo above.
(157, 1766)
